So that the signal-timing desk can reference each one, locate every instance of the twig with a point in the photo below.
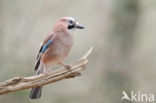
(20, 83)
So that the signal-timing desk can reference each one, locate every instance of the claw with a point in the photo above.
(67, 66)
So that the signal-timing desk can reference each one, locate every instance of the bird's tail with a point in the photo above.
(36, 92)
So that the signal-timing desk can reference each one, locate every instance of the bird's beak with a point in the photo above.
(79, 26)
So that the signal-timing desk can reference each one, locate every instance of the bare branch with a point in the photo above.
(20, 83)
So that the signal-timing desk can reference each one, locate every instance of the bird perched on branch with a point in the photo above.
(55, 48)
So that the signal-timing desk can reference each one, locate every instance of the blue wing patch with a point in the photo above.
(45, 46)
(41, 51)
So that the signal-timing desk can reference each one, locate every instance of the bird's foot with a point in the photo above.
(67, 66)
(46, 72)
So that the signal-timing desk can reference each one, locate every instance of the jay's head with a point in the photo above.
(67, 23)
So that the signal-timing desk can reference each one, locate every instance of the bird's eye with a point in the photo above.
(70, 21)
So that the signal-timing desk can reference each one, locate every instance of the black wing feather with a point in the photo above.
(38, 59)
(41, 51)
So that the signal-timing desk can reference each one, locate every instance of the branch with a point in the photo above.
(21, 83)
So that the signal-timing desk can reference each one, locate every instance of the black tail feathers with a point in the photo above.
(36, 93)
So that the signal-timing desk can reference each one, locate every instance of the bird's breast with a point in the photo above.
(62, 44)
(58, 49)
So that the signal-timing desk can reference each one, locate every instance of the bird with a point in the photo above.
(55, 48)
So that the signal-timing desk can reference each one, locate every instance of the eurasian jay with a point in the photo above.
(55, 48)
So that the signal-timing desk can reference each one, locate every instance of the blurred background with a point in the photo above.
(123, 35)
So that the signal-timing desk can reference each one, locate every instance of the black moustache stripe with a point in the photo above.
(71, 26)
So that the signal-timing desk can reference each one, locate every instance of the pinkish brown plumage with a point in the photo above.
(55, 49)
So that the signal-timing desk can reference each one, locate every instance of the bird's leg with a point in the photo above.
(45, 70)
(67, 66)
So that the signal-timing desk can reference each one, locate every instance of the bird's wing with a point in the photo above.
(43, 48)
